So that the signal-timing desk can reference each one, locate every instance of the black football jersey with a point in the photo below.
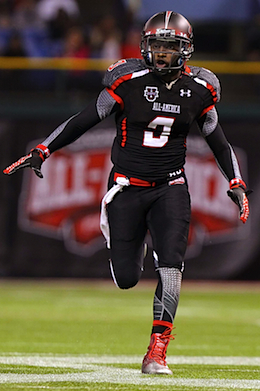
(154, 118)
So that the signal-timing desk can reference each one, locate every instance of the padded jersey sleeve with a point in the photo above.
(120, 72)
(209, 80)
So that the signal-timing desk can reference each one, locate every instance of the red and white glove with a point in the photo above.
(238, 194)
(33, 160)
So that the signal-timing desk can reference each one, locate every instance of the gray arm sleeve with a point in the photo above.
(210, 122)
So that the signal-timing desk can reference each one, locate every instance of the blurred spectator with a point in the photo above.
(111, 48)
(75, 44)
(15, 46)
(133, 6)
(5, 25)
(131, 46)
(131, 11)
(59, 16)
(105, 39)
(9, 79)
(48, 9)
(59, 25)
(99, 9)
(33, 32)
(253, 39)
(25, 15)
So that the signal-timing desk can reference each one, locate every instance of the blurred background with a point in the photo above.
(53, 55)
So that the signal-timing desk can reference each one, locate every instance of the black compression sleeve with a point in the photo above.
(74, 127)
(223, 152)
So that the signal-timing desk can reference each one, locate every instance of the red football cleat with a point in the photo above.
(154, 361)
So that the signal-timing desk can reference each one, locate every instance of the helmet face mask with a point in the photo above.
(166, 42)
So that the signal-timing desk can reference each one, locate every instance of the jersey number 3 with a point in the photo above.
(150, 140)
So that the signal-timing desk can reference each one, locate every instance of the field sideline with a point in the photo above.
(89, 335)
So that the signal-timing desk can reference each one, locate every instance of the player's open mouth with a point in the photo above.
(161, 64)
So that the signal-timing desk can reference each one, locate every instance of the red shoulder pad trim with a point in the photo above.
(206, 110)
(117, 98)
(213, 92)
(113, 66)
(120, 80)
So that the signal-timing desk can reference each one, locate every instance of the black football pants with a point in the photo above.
(163, 210)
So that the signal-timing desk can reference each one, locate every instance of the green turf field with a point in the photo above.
(81, 335)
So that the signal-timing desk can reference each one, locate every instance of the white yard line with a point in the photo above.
(101, 374)
(93, 369)
(82, 360)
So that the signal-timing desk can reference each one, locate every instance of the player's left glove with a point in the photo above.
(33, 160)
(238, 194)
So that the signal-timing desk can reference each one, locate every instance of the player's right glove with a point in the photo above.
(238, 195)
(33, 160)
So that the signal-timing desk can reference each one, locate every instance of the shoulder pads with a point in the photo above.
(208, 76)
(122, 68)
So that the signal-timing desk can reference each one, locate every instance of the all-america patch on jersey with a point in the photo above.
(154, 118)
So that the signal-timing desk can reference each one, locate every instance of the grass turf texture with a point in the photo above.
(65, 321)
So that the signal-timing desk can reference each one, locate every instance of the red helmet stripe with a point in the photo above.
(167, 18)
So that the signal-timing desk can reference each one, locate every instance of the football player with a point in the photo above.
(156, 100)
